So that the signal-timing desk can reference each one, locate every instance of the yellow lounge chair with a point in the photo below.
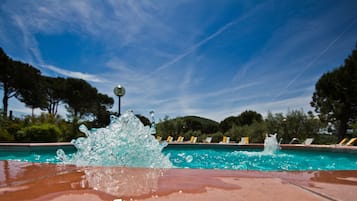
(169, 138)
(225, 140)
(351, 141)
(193, 139)
(343, 141)
(180, 139)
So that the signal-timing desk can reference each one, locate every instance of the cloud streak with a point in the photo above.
(80, 75)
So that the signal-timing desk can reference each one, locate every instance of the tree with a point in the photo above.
(227, 123)
(31, 93)
(55, 93)
(335, 95)
(143, 120)
(248, 117)
(101, 106)
(19, 80)
(6, 79)
(80, 97)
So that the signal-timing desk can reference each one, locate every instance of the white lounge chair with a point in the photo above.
(207, 140)
(244, 140)
(308, 141)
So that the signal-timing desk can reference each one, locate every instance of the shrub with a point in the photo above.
(39, 133)
(5, 136)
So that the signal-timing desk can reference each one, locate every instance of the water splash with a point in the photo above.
(125, 142)
(271, 145)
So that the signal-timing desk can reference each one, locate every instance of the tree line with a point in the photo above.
(295, 124)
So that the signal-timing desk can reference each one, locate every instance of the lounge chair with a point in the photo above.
(225, 140)
(308, 141)
(343, 141)
(293, 140)
(207, 140)
(351, 141)
(158, 138)
(169, 138)
(193, 139)
(244, 140)
(180, 139)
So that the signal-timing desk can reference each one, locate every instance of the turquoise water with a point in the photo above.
(209, 158)
(283, 160)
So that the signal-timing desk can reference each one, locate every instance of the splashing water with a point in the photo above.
(125, 142)
(271, 145)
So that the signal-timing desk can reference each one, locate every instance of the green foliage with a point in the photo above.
(55, 91)
(325, 139)
(40, 133)
(335, 95)
(144, 120)
(186, 126)
(245, 118)
(5, 136)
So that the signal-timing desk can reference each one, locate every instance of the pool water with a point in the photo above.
(253, 159)
(210, 158)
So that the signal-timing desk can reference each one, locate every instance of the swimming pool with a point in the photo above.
(257, 159)
(216, 157)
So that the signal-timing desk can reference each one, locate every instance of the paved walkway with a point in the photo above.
(40, 182)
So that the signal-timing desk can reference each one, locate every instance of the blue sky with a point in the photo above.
(210, 58)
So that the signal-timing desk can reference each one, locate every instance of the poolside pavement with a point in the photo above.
(50, 182)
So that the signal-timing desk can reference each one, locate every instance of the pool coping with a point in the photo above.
(42, 181)
(313, 147)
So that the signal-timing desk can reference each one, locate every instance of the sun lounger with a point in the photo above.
(343, 141)
(207, 140)
(193, 139)
(180, 139)
(351, 141)
(169, 138)
(308, 141)
(158, 138)
(225, 140)
(244, 140)
(293, 140)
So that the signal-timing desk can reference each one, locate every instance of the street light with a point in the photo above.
(119, 91)
(152, 128)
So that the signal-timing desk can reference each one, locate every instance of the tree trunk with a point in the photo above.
(342, 128)
(5, 100)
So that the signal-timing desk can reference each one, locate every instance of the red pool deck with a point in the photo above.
(50, 182)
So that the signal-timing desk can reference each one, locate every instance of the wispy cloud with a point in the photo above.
(317, 57)
(80, 75)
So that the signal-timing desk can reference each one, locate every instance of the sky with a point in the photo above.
(208, 58)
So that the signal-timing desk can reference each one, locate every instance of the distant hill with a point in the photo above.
(189, 123)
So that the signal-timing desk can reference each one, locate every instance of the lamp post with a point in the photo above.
(152, 128)
(119, 91)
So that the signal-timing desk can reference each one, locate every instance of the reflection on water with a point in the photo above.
(122, 182)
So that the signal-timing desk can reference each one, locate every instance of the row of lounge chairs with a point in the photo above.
(193, 139)
(348, 142)
(343, 142)
(245, 140)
